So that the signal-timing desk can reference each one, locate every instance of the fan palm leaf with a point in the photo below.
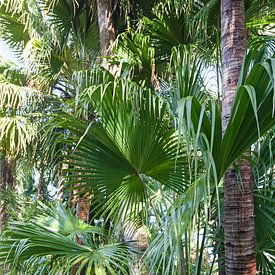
(50, 240)
(132, 144)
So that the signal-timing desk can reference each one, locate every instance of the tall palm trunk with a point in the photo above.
(41, 190)
(106, 25)
(2, 191)
(7, 180)
(107, 38)
(239, 224)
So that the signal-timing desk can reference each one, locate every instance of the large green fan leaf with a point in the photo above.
(131, 143)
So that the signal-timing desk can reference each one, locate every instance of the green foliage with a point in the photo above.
(129, 144)
(56, 241)
(145, 146)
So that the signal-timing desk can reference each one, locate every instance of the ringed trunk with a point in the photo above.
(239, 223)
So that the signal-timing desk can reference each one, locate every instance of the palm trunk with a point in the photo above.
(83, 207)
(239, 224)
(82, 212)
(41, 192)
(3, 188)
(106, 25)
(7, 180)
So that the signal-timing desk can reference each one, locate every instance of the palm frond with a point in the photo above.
(131, 143)
(17, 133)
(51, 245)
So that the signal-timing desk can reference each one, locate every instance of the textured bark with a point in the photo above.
(106, 25)
(3, 188)
(41, 192)
(233, 45)
(83, 207)
(82, 203)
(7, 181)
(82, 212)
(239, 223)
(61, 183)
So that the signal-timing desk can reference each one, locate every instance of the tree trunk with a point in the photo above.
(3, 188)
(41, 189)
(107, 34)
(239, 223)
(83, 202)
(83, 207)
(7, 180)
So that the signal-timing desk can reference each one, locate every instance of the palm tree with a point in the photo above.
(239, 222)
(119, 137)
(18, 131)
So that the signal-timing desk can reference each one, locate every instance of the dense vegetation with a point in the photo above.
(113, 144)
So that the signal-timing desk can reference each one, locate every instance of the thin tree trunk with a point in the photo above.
(3, 188)
(83, 203)
(239, 223)
(107, 37)
(7, 181)
(107, 33)
(41, 192)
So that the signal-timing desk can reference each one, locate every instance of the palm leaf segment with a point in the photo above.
(131, 145)
(17, 129)
(252, 115)
(264, 196)
(49, 243)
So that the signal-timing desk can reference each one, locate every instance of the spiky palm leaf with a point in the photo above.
(130, 144)
(52, 240)
(252, 115)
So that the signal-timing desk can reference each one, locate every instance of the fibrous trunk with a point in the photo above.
(3, 188)
(41, 192)
(239, 224)
(7, 180)
(106, 25)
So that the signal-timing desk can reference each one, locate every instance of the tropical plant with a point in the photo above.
(144, 146)
(50, 243)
